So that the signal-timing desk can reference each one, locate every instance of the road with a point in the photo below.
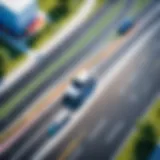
(103, 35)
(57, 53)
(115, 101)
(23, 103)
(115, 113)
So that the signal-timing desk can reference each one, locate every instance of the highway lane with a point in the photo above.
(120, 105)
(44, 136)
(51, 59)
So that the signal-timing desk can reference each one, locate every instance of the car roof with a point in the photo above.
(61, 115)
(71, 90)
(82, 76)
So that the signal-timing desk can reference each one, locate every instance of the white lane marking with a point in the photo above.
(116, 129)
(98, 128)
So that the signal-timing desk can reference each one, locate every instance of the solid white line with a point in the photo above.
(114, 132)
(98, 128)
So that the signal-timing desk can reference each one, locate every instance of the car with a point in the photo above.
(79, 90)
(125, 26)
(59, 121)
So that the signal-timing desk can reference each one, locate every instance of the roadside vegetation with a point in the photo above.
(144, 139)
(9, 58)
(58, 13)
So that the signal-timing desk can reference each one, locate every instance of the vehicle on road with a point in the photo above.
(59, 121)
(125, 26)
(79, 90)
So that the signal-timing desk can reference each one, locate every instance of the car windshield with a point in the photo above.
(78, 84)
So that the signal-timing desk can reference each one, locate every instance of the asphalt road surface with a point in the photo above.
(118, 108)
(133, 89)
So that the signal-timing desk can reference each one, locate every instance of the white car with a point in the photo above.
(60, 119)
(79, 90)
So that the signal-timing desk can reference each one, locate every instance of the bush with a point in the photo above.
(4, 61)
(59, 12)
(145, 142)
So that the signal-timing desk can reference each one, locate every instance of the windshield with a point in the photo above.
(78, 84)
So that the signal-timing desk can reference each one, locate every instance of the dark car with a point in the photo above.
(125, 26)
(80, 89)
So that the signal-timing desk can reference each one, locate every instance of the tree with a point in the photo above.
(60, 10)
(145, 142)
(4, 61)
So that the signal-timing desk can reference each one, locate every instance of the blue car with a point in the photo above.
(80, 89)
(125, 26)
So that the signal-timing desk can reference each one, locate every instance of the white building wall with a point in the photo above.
(18, 21)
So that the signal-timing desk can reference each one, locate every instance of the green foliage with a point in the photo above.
(145, 142)
(4, 61)
(59, 12)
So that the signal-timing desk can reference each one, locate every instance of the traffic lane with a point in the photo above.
(62, 146)
(54, 77)
(33, 131)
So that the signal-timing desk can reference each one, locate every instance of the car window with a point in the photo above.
(78, 84)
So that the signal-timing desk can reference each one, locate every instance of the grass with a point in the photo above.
(47, 5)
(138, 5)
(10, 105)
(15, 56)
(153, 117)
(53, 26)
